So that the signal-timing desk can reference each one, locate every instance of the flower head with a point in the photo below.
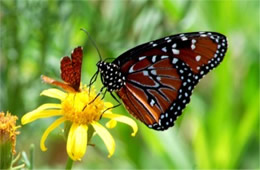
(7, 139)
(8, 129)
(83, 113)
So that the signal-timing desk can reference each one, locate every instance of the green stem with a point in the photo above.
(69, 163)
(31, 157)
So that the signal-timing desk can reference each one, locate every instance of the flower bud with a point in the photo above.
(7, 139)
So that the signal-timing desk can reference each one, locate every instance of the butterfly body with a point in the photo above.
(111, 76)
(155, 80)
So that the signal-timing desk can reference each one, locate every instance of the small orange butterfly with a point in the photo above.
(70, 72)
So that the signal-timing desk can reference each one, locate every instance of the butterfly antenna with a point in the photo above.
(93, 42)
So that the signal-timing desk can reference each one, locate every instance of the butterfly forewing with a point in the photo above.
(76, 57)
(71, 68)
(70, 72)
(197, 50)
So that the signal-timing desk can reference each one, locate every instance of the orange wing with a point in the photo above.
(160, 75)
(70, 72)
(71, 68)
(152, 87)
(63, 85)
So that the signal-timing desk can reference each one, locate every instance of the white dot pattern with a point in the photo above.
(171, 48)
(166, 119)
(112, 76)
(188, 77)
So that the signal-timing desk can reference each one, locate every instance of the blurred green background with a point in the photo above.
(218, 129)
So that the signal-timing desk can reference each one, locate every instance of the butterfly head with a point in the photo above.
(111, 75)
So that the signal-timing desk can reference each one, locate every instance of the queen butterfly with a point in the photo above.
(70, 72)
(155, 80)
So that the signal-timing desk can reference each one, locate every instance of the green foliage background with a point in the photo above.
(218, 129)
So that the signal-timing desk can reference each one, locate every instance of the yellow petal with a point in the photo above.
(123, 119)
(48, 106)
(77, 141)
(111, 123)
(106, 137)
(55, 124)
(39, 109)
(54, 93)
(34, 115)
(108, 105)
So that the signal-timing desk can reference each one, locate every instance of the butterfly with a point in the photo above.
(70, 72)
(155, 80)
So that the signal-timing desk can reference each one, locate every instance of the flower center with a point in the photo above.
(76, 107)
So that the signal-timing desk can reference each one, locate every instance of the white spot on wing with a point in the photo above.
(152, 102)
(145, 73)
(141, 58)
(154, 58)
(174, 61)
(198, 57)
(164, 56)
(193, 46)
(183, 38)
(153, 72)
(176, 52)
(164, 49)
(131, 69)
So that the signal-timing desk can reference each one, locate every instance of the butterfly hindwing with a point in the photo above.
(60, 84)
(154, 87)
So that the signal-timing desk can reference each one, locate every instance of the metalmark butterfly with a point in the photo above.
(70, 72)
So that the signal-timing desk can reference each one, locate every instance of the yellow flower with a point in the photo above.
(8, 129)
(77, 108)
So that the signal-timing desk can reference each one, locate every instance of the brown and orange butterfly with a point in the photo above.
(155, 80)
(70, 72)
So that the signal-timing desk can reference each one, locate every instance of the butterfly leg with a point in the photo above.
(94, 98)
(104, 95)
(113, 106)
(97, 95)
(114, 97)
(92, 80)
